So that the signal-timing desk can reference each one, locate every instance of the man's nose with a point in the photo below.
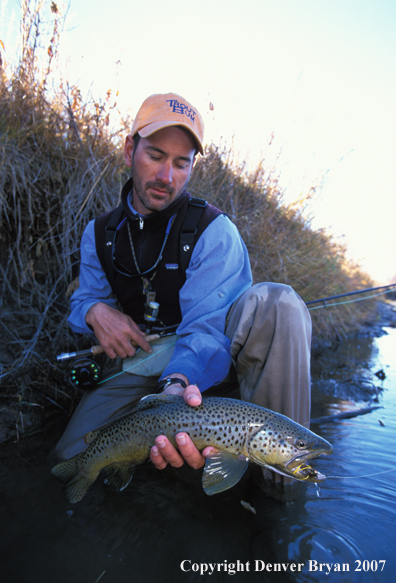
(165, 173)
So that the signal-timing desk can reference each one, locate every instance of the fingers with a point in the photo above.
(140, 339)
(163, 453)
(115, 331)
(156, 458)
(191, 394)
(208, 450)
(190, 453)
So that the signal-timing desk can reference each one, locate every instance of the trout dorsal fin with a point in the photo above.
(150, 402)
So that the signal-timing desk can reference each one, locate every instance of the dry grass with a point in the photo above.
(62, 166)
(282, 246)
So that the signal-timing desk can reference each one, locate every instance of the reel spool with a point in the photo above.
(85, 374)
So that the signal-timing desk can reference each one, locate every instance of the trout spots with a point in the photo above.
(225, 423)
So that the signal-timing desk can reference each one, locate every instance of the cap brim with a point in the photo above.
(151, 128)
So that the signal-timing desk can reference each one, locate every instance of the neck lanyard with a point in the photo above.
(168, 228)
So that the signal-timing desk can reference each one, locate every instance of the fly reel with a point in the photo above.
(85, 373)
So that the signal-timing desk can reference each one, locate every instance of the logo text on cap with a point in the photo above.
(181, 108)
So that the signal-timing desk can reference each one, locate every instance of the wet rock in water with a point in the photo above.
(351, 389)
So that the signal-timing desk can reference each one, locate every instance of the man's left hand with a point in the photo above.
(163, 453)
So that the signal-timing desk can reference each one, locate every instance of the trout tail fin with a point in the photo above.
(76, 483)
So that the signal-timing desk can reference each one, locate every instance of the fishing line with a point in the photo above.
(352, 478)
(366, 476)
(354, 293)
(326, 305)
(137, 363)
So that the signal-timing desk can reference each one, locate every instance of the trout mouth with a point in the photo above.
(307, 473)
(299, 469)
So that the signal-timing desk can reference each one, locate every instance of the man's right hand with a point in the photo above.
(115, 331)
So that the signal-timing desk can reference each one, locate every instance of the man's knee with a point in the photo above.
(273, 292)
(278, 295)
(266, 309)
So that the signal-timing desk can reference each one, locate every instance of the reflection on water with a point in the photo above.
(164, 528)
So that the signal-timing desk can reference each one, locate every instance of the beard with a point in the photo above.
(149, 200)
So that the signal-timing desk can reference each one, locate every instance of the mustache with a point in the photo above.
(158, 184)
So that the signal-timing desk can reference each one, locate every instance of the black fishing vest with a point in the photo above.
(148, 235)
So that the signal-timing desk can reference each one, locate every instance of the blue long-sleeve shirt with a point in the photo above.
(219, 272)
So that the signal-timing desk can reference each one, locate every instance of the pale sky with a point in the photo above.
(320, 75)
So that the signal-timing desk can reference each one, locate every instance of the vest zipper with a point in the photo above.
(141, 223)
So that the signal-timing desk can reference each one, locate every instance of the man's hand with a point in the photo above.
(163, 453)
(115, 331)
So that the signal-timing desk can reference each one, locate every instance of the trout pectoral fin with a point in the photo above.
(222, 471)
(119, 475)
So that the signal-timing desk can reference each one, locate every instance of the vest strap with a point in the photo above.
(189, 230)
(110, 233)
(187, 235)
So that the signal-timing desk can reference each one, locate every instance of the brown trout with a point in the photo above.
(241, 433)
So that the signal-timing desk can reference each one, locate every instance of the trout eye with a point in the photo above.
(298, 442)
(301, 444)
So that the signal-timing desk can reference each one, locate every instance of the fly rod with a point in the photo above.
(94, 350)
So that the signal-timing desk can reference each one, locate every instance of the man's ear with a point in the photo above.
(128, 150)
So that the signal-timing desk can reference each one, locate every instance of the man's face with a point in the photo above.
(161, 166)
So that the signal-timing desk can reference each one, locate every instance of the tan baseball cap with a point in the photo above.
(169, 109)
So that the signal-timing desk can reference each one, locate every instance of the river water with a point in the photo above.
(163, 528)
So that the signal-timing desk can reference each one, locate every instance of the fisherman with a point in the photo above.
(167, 263)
